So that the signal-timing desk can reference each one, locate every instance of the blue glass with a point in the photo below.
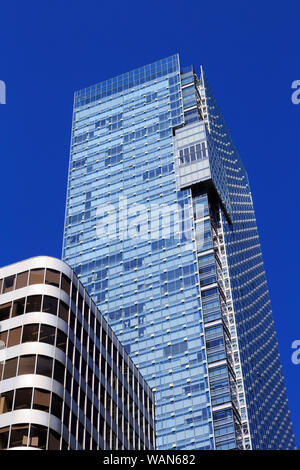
(184, 303)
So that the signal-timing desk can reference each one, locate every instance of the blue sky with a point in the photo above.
(250, 51)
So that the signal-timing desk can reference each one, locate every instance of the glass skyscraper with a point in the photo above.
(160, 229)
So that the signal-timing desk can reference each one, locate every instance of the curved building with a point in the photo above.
(66, 382)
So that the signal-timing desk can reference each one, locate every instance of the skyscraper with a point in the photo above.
(66, 382)
(161, 230)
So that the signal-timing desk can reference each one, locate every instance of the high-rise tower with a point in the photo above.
(161, 230)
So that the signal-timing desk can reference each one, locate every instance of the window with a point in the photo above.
(47, 334)
(44, 366)
(5, 311)
(65, 283)
(14, 337)
(30, 333)
(36, 276)
(3, 339)
(63, 311)
(33, 303)
(38, 436)
(8, 284)
(4, 438)
(41, 400)
(54, 441)
(26, 365)
(52, 277)
(19, 435)
(50, 305)
(23, 398)
(56, 406)
(18, 307)
(22, 279)
(61, 341)
(59, 372)
(10, 368)
(6, 400)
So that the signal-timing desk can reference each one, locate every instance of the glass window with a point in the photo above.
(30, 333)
(18, 307)
(4, 438)
(33, 303)
(65, 283)
(19, 435)
(61, 341)
(41, 400)
(8, 284)
(10, 368)
(23, 398)
(59, 372)
(22, 279)
(54, 441)
(52, 277)
(63, 311)
(50, 305)
(14, 337)
(44, 366)
(38, 436)
(5, 311)
(6, 400)
(56, 406)
(3, 339)
(47, 334)
(36, 276)
(26, 365)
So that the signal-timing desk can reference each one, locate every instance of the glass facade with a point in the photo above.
(66, 382)
(160, 229)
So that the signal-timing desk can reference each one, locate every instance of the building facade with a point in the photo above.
(66, 382)
(160, 228)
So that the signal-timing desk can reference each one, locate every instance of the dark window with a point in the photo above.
(44, 366)
(41, 400)
(6, 400)
(50, 305)
(54, 441)
(8, 284)
(5, 311)
(22, 279)
(56, 406)
(65, 283)
(23, 398)
(63, 311)
(61, 341)
(30, 333)
(26, 365)
(14, 337)
(18, 307)
(4, 438)
(19, 435)
(38, 436)
(3, 339)
(59, 372)
(74, 293)
(10, 368)
(47, 334)
(52, 277)
(33, 303)
(36, 276)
